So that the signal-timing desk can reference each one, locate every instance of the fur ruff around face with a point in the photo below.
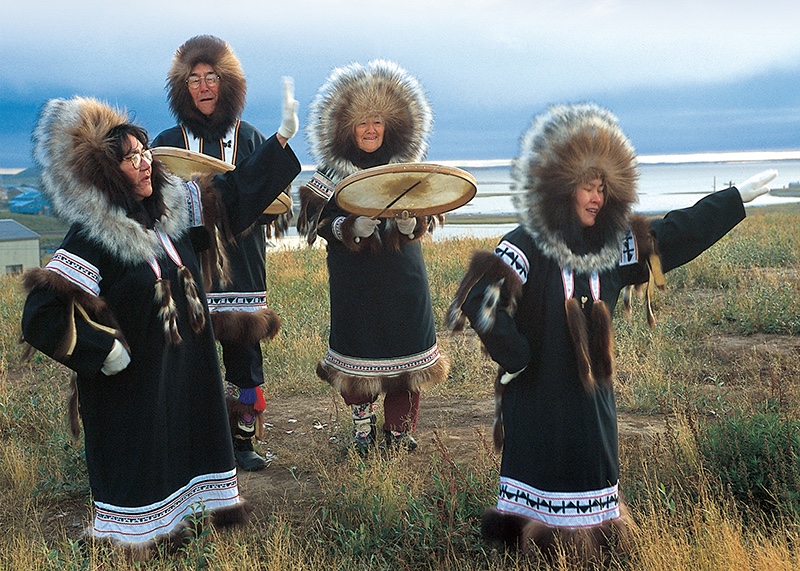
(354, 93)
(81, 175)
(232, 86)
(566, 146)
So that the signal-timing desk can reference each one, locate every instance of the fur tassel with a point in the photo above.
(195, 307)
(73, 408)
(602, 343)
(576, 323)
(498, 432)
(278, 227)
(311, 205)
(167, 312)
(373, 386)
(245, 327)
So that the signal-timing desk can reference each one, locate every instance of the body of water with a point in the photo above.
(667, 182)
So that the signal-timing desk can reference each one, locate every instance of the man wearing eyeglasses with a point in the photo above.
(206, 88)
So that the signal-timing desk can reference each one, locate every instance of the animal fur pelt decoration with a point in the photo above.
(232, 86)
(351, 94)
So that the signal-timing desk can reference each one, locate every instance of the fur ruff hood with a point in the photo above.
(232, 86)
(355, 92)
(80, 174)
(568, 145)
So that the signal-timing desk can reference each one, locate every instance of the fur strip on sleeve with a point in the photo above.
(213, 259)
(244, 326)
(94, 307)
(506, 287)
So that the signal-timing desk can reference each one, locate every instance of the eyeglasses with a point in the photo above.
(211, 79)
(136, 158)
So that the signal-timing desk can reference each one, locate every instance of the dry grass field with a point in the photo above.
(709, 417)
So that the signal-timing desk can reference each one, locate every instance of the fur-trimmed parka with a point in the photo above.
(542, 304)
(350, 95)
(156, 433)
(239, 311)
(382, 336)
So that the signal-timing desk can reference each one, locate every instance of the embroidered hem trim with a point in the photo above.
(236, 301)
(138, 524)
(375, 367)
(559, 509)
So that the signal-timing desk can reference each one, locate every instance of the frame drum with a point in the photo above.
(405, 190)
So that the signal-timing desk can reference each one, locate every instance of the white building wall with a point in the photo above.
(16, 253)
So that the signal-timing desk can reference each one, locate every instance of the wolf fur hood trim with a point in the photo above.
(232, 86)
(81, 178)
(353, 93)
(566, 146)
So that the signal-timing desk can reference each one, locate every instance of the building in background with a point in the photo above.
(19, 248)
(27, 200)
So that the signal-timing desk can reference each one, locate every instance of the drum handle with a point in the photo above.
(406, 191)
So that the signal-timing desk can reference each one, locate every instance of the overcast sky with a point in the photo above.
(682, 76)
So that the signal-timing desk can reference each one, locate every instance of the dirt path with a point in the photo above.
(296, 425)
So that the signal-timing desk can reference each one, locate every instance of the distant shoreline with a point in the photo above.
(654, 159)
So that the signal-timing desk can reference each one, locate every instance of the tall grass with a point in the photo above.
(724, 350)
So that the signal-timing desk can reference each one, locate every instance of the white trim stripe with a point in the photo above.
(134, 525)
(194, 203)
(236, 301)
(514, 258)
(375, 367)
(76, 270)
(559, 509)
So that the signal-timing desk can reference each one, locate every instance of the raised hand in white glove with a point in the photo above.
(508, 377)
(116, 360)
(756, 185)
(364, 226)
(290, 123)
(406, 226)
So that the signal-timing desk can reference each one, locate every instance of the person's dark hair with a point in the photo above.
(149, 209)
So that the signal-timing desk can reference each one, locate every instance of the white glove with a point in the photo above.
(364, 226)
(508, 377)
(756, 185)
(290, 123)
(406, 226)
(116, 360)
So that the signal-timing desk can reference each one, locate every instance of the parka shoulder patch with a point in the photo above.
(512, 255)
(629, 250)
